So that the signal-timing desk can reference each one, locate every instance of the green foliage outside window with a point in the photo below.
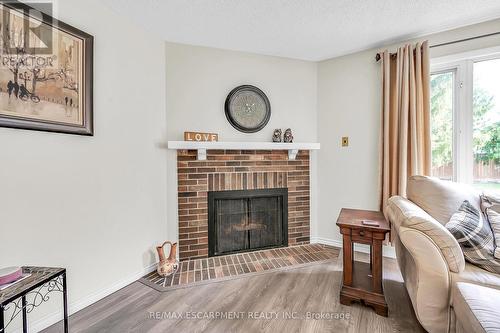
(486, 132)
(442, 118)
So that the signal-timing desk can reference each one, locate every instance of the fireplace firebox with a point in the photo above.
(247, 220)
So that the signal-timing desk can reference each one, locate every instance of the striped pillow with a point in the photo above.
(474, 236)
(494, 219)
(490, 200)
(490, 204)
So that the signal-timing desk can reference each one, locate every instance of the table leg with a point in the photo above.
(2, 327)
(377, 266)
(25, 316)
(65, 303)
(371, 258)
(347, 247)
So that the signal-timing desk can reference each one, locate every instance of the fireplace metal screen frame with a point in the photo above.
(245, 194)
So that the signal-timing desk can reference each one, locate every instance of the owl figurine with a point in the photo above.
(288, 137)
(277, 135)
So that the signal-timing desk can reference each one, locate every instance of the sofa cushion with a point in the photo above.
(404, 213)
(477, 308)
(441, 199)
(476, 275)
(474, 236)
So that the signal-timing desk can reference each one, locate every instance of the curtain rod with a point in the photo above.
(377, 56)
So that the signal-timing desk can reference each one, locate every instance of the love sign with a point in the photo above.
(200, 136)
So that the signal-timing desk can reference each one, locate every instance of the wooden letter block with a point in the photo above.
(200, 136)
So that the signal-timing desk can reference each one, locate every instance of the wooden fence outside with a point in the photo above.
(484, 171)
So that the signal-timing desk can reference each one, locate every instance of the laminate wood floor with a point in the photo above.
(299, 294)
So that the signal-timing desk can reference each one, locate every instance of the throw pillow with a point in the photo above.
(490, 200)
(474, 236)
(494, 220)
(490, 204)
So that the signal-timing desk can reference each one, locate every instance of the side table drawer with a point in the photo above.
(361, 235)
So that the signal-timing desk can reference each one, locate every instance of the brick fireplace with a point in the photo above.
(230, 170)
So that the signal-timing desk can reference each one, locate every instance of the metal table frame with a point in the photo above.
(39, 285)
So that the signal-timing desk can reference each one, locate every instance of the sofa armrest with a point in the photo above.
(426, 278)
(405, 214)
(426, 253)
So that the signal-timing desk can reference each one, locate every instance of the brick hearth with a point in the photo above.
(238, 170)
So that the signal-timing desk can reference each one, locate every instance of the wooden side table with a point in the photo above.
(363, 281)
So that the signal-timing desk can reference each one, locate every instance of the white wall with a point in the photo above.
(95, 205)
(348, 100)
(200, 78)
(349, 105)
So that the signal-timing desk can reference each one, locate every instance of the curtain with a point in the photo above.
(405, 145)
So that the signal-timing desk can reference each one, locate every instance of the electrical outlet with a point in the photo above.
(345, 141)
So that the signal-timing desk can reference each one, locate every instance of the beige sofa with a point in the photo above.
(429, 257)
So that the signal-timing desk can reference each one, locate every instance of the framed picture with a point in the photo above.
(46, 72)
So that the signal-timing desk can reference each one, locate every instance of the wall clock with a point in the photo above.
(247, 109)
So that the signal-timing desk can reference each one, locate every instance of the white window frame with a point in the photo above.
(462, 65)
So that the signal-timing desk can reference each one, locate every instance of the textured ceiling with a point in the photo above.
(302, 29)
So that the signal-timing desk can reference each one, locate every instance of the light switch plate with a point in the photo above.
(345, 141)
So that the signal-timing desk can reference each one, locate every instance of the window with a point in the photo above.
(486, 123)
(465, 118)
(442, 93)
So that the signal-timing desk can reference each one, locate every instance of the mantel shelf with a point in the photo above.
(203, 146)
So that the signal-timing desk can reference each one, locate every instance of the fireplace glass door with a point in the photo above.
(247, 220)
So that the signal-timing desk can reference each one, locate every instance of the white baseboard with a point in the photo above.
(80, 304)
(387, 251)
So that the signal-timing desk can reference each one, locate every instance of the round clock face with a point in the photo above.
(247, 109)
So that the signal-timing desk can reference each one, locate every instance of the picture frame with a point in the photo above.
(46, 74)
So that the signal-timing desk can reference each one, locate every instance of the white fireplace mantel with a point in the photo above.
(202, 147)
